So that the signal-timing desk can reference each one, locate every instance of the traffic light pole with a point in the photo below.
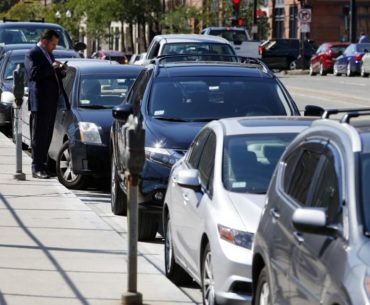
(255, 19)
(352, 21)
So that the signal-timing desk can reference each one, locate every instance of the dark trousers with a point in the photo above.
(42, 133)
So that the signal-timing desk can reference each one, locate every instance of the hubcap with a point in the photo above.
(348, 70)
(265, 294)
(65, 166)
(208, 281)
(321, 69)
(168, 248)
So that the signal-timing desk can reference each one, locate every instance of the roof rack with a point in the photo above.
(354, 114)
(16, 20)
(9, 20)
(37, 20)
(218, 58)
(328, 112)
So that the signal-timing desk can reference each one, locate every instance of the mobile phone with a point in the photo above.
(65, 63)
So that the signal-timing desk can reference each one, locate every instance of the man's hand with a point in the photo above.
(57, 64)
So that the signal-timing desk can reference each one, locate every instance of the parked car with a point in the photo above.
(322, 61)
(173, 44)
(312, 244)
(175, 100)
(239, 38)
(365, 66)
(281, 53)
(214, 201)
(137, 59)
(19, 32)
(80, 144)
(349, 63)
(8, 63)
(117, 56)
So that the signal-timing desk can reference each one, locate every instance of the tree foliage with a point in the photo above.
(24, 11)
(179, 19)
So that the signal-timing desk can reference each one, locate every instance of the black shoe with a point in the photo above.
(40, 175)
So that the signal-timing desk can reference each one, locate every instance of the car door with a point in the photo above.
(293, 184)
(311, 275)
(180, 198)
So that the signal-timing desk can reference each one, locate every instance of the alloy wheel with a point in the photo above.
(264, 294)
(113, 180)
(65, 165)
(168, 254)
(208, 281)
(349, 72)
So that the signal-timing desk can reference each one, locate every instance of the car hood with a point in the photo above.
(170, 134)
(101, 117)
(249, 207)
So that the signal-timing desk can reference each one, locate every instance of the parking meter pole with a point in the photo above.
(18, 91)
(134, 161)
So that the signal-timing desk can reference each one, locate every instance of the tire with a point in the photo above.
(311, 72)
(293, 65)
(208, 289)
(118, 197)
(263, 290)
(148, 225)
(322, 70)
(363, 73)
(14, 136)
(335, 71)
(349, 72)
(65, 173)
(173, 271)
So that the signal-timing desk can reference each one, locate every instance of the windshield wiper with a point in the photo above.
(94, 106)
(168, 118)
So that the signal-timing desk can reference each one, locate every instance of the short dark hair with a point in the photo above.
(49, 34)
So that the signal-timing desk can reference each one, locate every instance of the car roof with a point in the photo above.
(89, 66)
(59, 52)
(16, 24)
(211, 69)
(266, 124)
(225, 28)
(197, 38)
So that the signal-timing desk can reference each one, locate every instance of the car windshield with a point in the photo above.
(365, 190)
(230, 34)
(197, 48)
(104, 91)
(11, 65)
(249, 160)
(31, 34)
(338, 48)
(201, 98)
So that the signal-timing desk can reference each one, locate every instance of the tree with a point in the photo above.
(179, 19)
(24, 11)
(6, 5)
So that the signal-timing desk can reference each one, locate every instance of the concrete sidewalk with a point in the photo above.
(54, 250)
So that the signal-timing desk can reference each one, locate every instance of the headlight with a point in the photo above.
(239, 238)
(167, 157)
(89, 133)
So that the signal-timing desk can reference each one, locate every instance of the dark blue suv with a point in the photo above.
(175, 100)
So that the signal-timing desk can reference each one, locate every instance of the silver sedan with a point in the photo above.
(214, 200)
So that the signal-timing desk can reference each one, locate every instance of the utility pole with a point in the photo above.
(352, 21)
(255, 26)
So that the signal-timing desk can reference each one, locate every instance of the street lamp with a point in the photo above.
(57, 15)
(68, 14)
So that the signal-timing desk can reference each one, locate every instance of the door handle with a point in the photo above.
(275, 213)
(298, 237)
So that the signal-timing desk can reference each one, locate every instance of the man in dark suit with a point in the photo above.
(45, 89)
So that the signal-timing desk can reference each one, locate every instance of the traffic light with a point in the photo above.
(236, 10)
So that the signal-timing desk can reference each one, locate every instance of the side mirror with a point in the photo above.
(312, 110)
(313, 221)
(122, 112)
(188, 178)
(79, 46)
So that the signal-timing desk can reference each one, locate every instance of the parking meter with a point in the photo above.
(18, 91)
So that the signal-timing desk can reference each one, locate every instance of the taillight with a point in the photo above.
(260, 50)
(358, 56)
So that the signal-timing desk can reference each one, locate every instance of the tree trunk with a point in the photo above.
(131, 27)
(123, 44)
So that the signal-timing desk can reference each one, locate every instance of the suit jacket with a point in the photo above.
(43, 87)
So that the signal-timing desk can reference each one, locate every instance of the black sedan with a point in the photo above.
(8, 62)
(80, 144)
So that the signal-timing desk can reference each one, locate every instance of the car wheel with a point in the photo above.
(335, 71)
(208, 280)
(65, 173)
(349, 71)
(148, 225)
(293, 65)
(173, 271)
(322, 70)
(263, 291)
(363, 73)
(311, 72)
(118, 196)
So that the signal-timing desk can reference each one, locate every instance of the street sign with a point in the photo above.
(304, 15)
(305, 27)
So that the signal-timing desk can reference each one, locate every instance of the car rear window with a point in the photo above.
(230, 35)
(197, 48)
(249, 160)
(201, 98)
(338, 48)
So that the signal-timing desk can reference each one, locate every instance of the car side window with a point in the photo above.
(207, 161)
(197, 148)
(138, 90)
(327, 191)
(154, 50)
(303, 175)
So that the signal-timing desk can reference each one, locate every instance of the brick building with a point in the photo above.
(330, 19)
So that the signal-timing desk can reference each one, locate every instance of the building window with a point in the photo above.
(293, 11)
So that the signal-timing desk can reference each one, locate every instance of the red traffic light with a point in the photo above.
(240, 22)
(236, 2)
